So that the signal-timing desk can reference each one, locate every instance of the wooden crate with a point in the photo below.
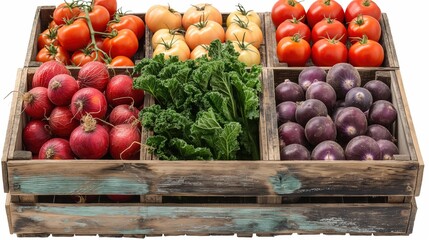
(43, 17)
(361, 216)
(262, 48)
(386, 40)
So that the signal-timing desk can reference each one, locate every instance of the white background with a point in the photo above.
(408, 21)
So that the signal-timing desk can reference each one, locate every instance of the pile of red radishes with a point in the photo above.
(90, 116)
(330, 116)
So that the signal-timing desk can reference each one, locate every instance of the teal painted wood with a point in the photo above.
(213, 178)
(199, 219)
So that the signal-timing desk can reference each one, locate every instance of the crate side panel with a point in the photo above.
(214, 178)
(203, 219)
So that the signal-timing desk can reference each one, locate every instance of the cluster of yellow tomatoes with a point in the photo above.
(188, 36)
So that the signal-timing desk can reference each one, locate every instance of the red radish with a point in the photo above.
(36, 103)
(62, 122)
(90, 140)
(123, 114)
(120, 90)
(125, 141)
(61, 89)
(46, 71)
(35, 134)
(56, 148)
(94, 74)
(88, 100)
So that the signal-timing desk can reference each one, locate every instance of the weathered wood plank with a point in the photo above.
(213, 178)
(413, 138)
(269, 200)
(201, 219)
(412, 216)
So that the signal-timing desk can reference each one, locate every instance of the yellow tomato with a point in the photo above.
(201, 12)
(249, 54)
(245, 32)
(165, 35)
(204, 32)
(200, 51)
(243, 15)
(173, 48)
(159, 16)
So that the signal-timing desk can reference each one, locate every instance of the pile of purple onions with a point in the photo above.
(330, 116)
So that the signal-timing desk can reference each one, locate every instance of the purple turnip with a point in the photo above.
(319, 129)
(328, 150)
(310, 75)
(377, 132)
(362, 148)
(343, 77)
(294, 152)
(308, 109)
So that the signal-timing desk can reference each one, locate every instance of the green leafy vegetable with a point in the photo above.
(205, 109)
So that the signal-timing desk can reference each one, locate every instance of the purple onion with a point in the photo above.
(350, 122)
(377, 132)
(388, 149)
(291, 132)
(328, 150)
(379, 90)
(362, 148)
(310, 75)
(382, 112)
(286, 112)
(294, 152)
(308, 109)
(319, 129)
(358, 97)
(288, 91)
(343, 77)
(323, 92)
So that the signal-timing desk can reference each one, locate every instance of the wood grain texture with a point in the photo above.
(413, 136)
(200, 219)
(213, 178)
(390, 59)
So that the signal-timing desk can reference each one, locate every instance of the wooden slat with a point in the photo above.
(176, 219)
(213, 178)
(412, 216)
(411, 130)
(390, 61)
(269, 200)
(8, 212)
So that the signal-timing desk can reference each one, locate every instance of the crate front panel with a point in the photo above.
(213, 178)
(42, 18)
(386, 41)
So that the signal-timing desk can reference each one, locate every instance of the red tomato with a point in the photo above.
(364, 25)
(53, 52)
(123, 43)
(363, 7)
(329, 28)
(287, 9)
(74, 36)
(328, 52)
(131, 22)
(81, 57)
(324, 8)
(121, 61)
(366, 53)
(99, 17)
(47, 37)
(110, 5)
(65, 11)
(294, 51)
(290, 27)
